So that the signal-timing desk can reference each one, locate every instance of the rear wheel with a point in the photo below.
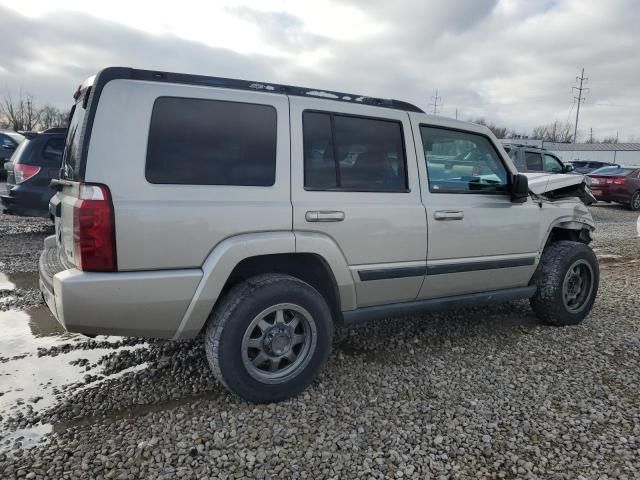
(634, 204)
(269, 337)
(567, 279)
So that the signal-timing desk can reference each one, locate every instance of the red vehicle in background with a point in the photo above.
(616, 184)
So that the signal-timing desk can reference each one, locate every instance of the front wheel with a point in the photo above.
(567, 282)
(269, 337)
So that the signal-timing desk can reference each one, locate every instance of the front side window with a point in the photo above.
(552, 164)
(462, 162)
(533, 160)
(343, 152)
(211, 142)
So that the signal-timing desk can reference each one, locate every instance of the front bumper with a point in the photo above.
(142, 304)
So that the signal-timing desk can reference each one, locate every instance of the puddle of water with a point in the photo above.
(11, 281)
(31, 382)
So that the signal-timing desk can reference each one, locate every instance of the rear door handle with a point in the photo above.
(448, 214)
(324, 216)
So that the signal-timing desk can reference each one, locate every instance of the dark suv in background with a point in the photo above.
(34, 164)
(530, 159)
(9, 141)
(588, 166)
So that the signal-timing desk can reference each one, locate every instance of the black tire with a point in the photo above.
(634, 203)
(549, 302)
(228, 329)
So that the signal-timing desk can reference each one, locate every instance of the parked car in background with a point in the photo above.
(9, 141)
(532, 159)
(617, 184)
(287, 211)
(34, 164)
(588, 166)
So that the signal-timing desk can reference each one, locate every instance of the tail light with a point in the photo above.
(94, 234)
(23, 173)
(616, 180)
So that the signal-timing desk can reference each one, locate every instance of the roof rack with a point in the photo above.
(168, 77)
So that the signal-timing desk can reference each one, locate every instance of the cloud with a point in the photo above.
(511, 61)
(62, 49)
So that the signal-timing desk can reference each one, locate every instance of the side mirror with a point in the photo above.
(519, 188)
(568, 168)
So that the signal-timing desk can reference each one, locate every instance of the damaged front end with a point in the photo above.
(560, 187)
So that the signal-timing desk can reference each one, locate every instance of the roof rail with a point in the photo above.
(168, 77)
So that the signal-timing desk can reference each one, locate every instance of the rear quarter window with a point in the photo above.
(211, 142)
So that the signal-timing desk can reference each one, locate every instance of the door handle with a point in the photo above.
(448, 214)
(324, 216)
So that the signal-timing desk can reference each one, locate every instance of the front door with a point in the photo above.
(354, 181)
(478, 239)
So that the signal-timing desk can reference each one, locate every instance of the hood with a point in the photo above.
(540, 183)
(560, 186)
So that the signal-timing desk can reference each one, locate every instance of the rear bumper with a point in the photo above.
(26, 200)
(141, 304)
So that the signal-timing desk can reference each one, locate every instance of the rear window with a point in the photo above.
(211, 142)
(621, 172)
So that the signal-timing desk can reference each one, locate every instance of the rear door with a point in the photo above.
(355, 182)
(478, 239)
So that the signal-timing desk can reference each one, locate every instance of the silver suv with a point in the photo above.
(264, 215)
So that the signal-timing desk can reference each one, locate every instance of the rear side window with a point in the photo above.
(211, 142)
(344, 152)
(621, 172)
(52, 152)
(533, 161)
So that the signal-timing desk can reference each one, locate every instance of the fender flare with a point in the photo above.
(568, 223)
(222, 260)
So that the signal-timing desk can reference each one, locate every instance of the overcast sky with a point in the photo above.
(510, 61)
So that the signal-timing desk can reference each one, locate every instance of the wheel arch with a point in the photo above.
(313, 259)
(568, 229)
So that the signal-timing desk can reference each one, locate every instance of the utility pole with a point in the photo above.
(436, 102)
(590, 135)
(456, 113)
(579, 99)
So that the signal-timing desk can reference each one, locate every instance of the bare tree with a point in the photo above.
(500, 132)
(609, 140)
(553, 132)
(19, 113)
(51, 116)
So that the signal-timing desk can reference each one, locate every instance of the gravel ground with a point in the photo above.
(479, 393)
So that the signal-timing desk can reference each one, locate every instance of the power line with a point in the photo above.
(436, 103)
(579, 99)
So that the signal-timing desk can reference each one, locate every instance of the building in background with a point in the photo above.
(620, 153)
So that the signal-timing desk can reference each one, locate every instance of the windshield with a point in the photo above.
(621, 172)
(71, 158)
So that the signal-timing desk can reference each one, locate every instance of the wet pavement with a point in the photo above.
(40, 363)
